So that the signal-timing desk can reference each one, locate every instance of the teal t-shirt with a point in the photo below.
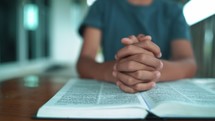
(163, 20)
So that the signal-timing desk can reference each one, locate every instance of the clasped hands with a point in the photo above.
(137, 66)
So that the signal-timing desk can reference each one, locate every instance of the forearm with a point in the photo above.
(174, 70)
(89, 68)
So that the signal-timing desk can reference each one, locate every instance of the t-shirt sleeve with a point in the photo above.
(93, 17)
(179, 27)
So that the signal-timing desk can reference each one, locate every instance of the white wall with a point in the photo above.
(65, 42)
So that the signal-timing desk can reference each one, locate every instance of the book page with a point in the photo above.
(183, 91)
(110, 94)
(208, 83)
(88, 93)
(81, 98)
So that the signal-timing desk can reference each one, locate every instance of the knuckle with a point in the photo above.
(147, 43)
(158, 74)
(142, 57)
(130, 81)
(138, 74)
(154, 75)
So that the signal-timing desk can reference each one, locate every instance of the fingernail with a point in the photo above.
(149, 37)
(160, 55)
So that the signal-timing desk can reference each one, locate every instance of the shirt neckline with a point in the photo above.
(152, 6)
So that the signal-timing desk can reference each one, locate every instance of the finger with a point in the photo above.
(158, 75)
(126, 79)
(150, 46)
(130, 40)
(144, 59)
(125, 88)
(143, 86)
(126, 41)
(134, 39)
(131, 66)
(142, 38)
(131, 50)
(135, 88)
(145, 75)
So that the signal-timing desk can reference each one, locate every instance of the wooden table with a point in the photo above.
(20, 98)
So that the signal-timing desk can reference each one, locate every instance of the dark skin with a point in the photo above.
(138, 66)
(145, 69)
(133, 70)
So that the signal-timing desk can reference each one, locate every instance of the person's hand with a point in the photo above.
(137, 67)
(144, 42)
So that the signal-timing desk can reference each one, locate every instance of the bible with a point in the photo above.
(91, 99)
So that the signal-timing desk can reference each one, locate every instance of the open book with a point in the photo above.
(91, 99)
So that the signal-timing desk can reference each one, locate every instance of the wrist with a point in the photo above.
(108, 75)
(103, 71)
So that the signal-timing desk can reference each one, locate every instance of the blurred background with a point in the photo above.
(39, 37)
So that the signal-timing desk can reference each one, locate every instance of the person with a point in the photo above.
(143, 42)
